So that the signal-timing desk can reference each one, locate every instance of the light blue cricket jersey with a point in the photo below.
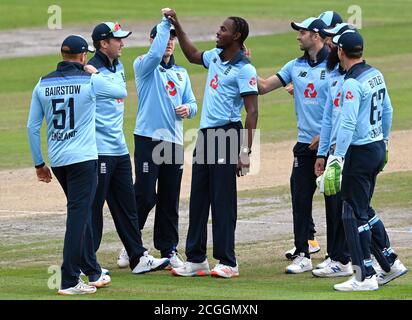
(310, 82)
(160, 89)
(366, 114)
(226, 85)
(110, 111)
(331, 113)
(66, 98)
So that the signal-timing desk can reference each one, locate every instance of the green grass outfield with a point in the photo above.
(261, 265)
(24, 263)
(29, 13)
(385, 48)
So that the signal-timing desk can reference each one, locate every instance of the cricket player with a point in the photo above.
(337, 264)
(165, 99)
(115, 183)
(361, 153)
(310, 79)
(331, 19)
(221, 151)
(66, 98)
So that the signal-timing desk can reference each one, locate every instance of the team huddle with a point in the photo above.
(344, 117)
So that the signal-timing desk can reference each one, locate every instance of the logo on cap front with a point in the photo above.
(116, 27)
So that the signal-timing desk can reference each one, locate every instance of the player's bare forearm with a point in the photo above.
(314, 144)
(190, 51)
(269, 84)
(251, 106)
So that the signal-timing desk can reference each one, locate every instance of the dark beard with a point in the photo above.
(333, 59)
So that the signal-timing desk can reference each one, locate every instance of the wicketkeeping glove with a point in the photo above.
(333, 175)
(387, 153)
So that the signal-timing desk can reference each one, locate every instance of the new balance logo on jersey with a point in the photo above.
(303, 74)
(162, 69)
(310, 91)
(179, 76)
(334, 83)
(322, 75)
(228, 70)
(214, 60)
(214, 82)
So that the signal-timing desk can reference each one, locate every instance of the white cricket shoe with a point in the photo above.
(103, 280)
(149, 263)
(324, 263)
(123, 259)
(334, 269)
(176, 261)
(191, 269)
(397, 270)
(224, 271)
(300, 264)
(352, 284)
(313, 248)
(79, 288)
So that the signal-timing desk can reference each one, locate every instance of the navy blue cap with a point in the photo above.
(312, 24)
(338, 29)
(349, 41)
(331, 18)
(153, 32)
(107, 30)
(75, 44)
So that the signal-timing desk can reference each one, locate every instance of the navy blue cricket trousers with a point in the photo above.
(79, 183)
(116, 187)
(161, 163)
(303, 187)
(214, 187)
(362, 165)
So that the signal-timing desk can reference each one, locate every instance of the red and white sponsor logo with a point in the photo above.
(120, 101)
(349, 96)
(310, 91)
(171, 88)
(116, 27)
(252, 82)
(214, 82)
(336, 101)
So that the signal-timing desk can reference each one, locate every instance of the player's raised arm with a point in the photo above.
(269, 84)
(190, 51)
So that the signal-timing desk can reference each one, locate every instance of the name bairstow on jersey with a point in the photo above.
(62, 90)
